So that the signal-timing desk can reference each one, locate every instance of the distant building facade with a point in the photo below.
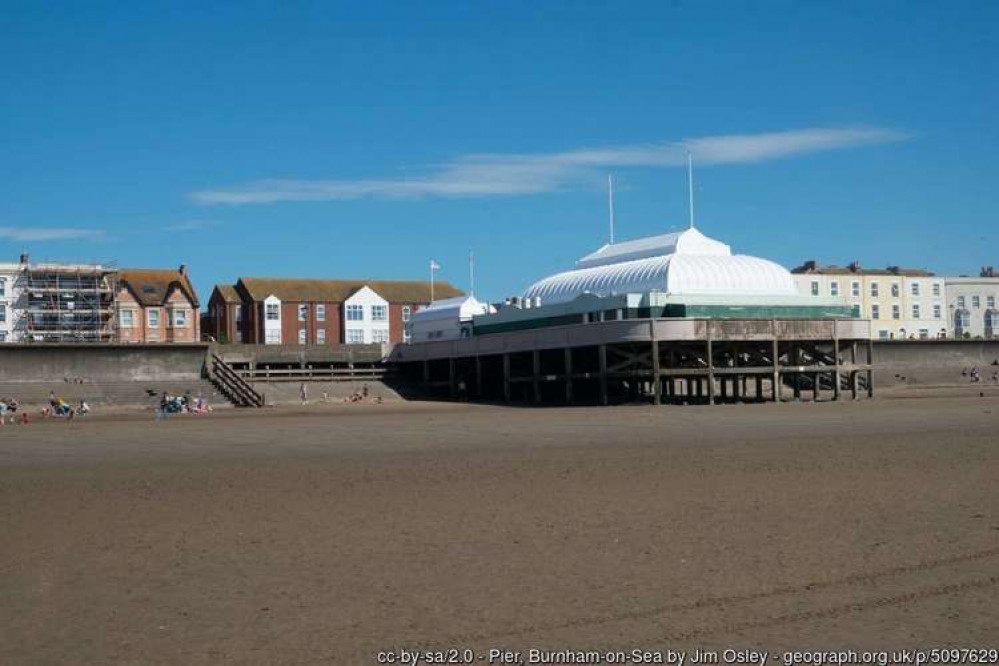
(901, 303)
(157, 306)
(972, 305)
(318, 312)
(57, 302)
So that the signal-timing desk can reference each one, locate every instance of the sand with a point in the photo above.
(327, 534)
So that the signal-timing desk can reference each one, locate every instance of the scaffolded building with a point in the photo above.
(68, 302)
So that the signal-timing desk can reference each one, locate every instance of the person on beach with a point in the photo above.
(303, 393)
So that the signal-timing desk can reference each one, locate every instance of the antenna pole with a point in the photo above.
(610, 205)
(471, 271)
(690, 186)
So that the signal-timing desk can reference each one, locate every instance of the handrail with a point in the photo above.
(240, 392)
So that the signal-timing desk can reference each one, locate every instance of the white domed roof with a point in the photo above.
(687, 263)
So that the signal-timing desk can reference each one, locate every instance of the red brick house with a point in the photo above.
(157, 306)
(317, 312)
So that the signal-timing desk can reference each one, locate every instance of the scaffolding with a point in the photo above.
(69, 302)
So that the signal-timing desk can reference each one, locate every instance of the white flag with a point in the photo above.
(434, 266)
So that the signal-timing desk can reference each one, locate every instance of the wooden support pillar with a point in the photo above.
(836, 374)
(816, 379)
(870, 373)
(506, 377)
(775, 382)
(657, 384)
(796, 361)
(452, 385)
(426, 373)
(536, 375)
(854, 376)
(568, 374)
(478, 377)
(711, 370)
(759, 388)
(602, 360)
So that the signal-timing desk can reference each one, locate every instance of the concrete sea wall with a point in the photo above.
(927, 362)
(57, 362)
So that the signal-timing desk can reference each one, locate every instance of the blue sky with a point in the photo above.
(361, 139)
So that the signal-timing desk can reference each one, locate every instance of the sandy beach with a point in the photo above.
(326, 534)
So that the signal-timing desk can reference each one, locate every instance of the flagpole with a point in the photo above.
(471, 271)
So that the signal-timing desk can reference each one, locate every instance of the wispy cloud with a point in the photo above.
(191, 225)
(37, 234)
(494, 174)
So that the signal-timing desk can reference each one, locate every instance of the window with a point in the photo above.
(303, 337)
(406, 312)
(875, 312)
(976, 301)
(894, 289)
(896, 312)
(3, 287)
(273, 312)
(3, 336)
(239, 313)
(962, 322)
(855, 289)
(882, 335)
(915, 311)
(355, 336)
(936, 311)
(379, 313)
(273, 337)
(355, 313)
(815, 287)
(990, 301)
(407, 337)
(303, 312)
(3, 313)
(126, 318)
(379, 335)
(180, 318)
(834, 288)
(153, 318)
(936, 288)
(992, 324)
(321, 336)
(914, 288)
(960, 301)
(924, 334)
(320, 312)
(874, 289)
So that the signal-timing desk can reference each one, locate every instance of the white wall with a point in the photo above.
(370, 330)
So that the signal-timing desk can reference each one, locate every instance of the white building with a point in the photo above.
(973, 305)
(11, 326)
(685, 263)
(447, 319)
(901, 303)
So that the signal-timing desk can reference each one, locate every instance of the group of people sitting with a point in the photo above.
(976, 375)
(62, 409)
(8, 406)
(174, 404)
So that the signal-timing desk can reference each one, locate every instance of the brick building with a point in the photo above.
(317, 312)
(157, 306)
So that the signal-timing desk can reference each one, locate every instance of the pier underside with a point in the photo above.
(659, 361)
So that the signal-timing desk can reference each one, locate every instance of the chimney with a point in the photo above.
(183, 269)
(24, 257)
(810, 265)
(854, 266)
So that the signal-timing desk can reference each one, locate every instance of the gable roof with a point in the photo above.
(337, 291)
(152, 286)
(228, 293)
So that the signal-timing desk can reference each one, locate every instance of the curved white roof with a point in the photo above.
(695, 265)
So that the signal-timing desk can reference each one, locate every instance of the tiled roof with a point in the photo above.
(228, 293)
(811, 268)
(337, 291)
(153, 286)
